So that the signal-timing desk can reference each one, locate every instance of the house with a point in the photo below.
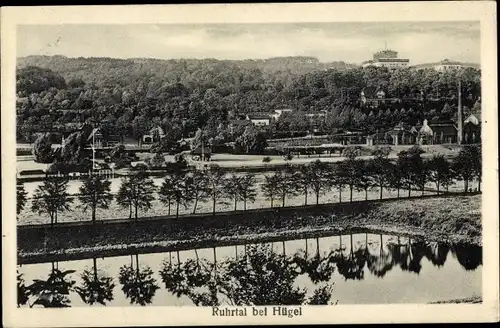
(379, 138)
(448, 65)
(371, 96)
(259, 119)
(403, 134)
(440, 132)
(278, 112)
(235, 124)
(155, 134)
(472, 128)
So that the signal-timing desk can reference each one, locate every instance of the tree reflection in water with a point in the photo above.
(380, 262)
(261, 277)
(437, 253)
(138, 285)
(351, 267)
(469, 256)
(22, 290)
(95, 288)
(53, 292)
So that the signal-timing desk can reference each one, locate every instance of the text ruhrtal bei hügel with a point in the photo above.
(285, 311)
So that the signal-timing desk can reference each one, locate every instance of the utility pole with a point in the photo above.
(459, 122)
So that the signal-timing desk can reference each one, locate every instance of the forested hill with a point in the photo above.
(99, 70)
(187, 94)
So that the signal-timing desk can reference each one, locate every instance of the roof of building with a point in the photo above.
(371, 92)
(474, 118)
(239, 122)
(258, 116)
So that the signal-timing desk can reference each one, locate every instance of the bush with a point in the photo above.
(266, 159)
(288, 157)
(42, 149)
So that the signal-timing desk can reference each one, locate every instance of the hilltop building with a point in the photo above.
(387, 58)
(447, 65)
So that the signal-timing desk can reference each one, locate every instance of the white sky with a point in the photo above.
(351, 42)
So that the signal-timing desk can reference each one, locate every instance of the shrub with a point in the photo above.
(42, 149)
(266, 159)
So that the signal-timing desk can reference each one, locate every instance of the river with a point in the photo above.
(348, 269)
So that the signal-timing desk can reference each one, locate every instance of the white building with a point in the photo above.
(387, 58)
(259, 119)
(448, 65)
(278, 112)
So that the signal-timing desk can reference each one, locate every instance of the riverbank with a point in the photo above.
(468, 300)
(455, 219)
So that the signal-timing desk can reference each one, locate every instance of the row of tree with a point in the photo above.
(185, 188)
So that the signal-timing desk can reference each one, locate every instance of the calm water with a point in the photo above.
(348, 269)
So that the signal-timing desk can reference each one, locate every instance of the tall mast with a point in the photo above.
(459, 122)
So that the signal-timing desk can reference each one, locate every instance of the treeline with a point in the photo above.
(188, 188)
(131, 96)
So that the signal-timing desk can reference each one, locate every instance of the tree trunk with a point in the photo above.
(283, 242)
(130, 211)
(55, 218)
(437, 187)
(178, 258)
(136, 207)
(305, 198)
(93, 214)
(381, 190)
(350, 196)
(235, 203)
(466, 187)
(169, 206)
(271, 201)
(317, 246)
(177, 208)
(213, 207)
(317, 197)
(244, 204)
(366, 194)
(479, 185)
(137, 261)
(398, 192)
(284, 196)
(340, 195)
(195, 204)
(409, 191)
(95, 268)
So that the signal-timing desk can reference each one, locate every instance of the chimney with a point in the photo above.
(460, 118)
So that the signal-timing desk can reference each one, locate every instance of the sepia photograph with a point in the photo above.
(250, 169)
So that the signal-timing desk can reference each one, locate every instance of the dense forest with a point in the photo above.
(182, 96)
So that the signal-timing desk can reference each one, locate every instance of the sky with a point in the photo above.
(424, 42)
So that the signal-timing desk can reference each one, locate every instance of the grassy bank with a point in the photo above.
(452, 218)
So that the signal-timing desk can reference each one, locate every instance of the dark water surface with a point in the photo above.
(348, 269)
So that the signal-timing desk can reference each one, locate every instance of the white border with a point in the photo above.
(483, 11)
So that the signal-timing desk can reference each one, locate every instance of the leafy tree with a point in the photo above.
(252, 141)
(158, 160)
(302, 180)
(42, 149)
(232, 188)
(364, 179)
(21, 197)
(136, 192)
(409, 163)
(271, 187)
(174, 188)
(33, 79)
(51, 197)
(440, 171)
(95, 192)
(197, 183)
(379, 169)
(287, 183)
(215, 185)
(465, 164)
(349, 169)
(246, 189)
(95, 288)
(320, 178)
